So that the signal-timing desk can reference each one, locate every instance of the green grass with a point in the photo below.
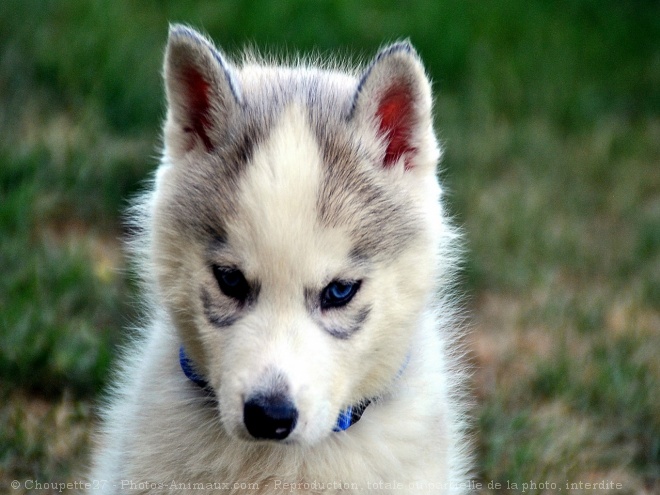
(550, 115)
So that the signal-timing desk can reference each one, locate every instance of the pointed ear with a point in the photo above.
(202, 92)
(394, 95)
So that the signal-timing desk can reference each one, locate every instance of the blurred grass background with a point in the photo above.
(550, 115)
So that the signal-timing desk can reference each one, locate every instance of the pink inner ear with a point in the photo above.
(396, 122)
(197, 89)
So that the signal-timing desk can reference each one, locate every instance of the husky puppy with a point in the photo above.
(298, 268)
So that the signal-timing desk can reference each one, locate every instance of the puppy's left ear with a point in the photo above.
(394, 97)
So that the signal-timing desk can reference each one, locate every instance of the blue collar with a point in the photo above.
(347, 417)
(189, 370)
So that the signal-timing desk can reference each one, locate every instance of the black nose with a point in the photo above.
(271, 417)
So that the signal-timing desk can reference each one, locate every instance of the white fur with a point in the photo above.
(160, 432)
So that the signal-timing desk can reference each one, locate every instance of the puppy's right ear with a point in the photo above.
(202, 93)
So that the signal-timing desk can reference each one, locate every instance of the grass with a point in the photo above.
(550, 115)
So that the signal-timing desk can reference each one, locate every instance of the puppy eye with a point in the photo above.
(339, 293)
(232, 283)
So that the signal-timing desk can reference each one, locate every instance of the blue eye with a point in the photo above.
(232, 283)
(339, 293)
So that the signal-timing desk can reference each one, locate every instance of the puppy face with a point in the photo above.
(294, 232)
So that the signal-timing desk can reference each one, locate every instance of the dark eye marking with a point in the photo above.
(215, 315)
(346, 332)
(339, 293)
(232, 283)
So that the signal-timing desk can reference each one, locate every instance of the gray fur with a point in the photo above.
(218, 315)
(350, 195)
(349, 328)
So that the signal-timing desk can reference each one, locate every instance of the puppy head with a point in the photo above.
(295, 230)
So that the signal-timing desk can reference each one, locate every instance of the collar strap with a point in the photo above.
(189, 370)
(351, 415)
(347, 417)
